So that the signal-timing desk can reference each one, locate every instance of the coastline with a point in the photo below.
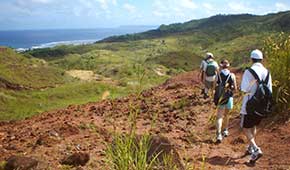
(57, 43)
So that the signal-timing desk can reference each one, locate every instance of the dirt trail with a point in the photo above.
(178, 112)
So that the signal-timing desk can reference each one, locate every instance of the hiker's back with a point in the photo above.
(249, 83)
(210, 70)
(226, 83)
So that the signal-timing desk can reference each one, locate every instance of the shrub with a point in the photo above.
(128, 153)
(277, 53)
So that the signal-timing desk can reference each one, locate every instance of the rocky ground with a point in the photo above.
(174, 109)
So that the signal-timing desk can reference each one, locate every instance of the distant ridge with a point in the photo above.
(216, 26)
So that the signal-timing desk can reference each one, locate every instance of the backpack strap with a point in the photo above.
(267, 78)
(257, 77)
(221, 80)
(254, 74)
(228, 77)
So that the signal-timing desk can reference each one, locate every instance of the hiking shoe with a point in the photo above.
(202, 91)
(249, 150)
(257, 154)
(225, 133)
(219, 138)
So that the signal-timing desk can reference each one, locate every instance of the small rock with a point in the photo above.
(20, 163)
(239, 140)
(76, 159)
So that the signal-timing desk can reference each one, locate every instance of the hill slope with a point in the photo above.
(19, 71)
(177, 46)
(219, 27)
(174, 109)
(29, 86)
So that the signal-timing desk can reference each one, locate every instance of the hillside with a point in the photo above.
(29, 86)
(219, 27)
(127, 66)
(174, 109)
(177, 46)
(30, 73)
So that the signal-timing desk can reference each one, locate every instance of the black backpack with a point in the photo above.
(261, 102)
(222, 94)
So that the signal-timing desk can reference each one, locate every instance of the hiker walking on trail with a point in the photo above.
(202, 66)
(209, 69)
(257, 84)
(223, 99)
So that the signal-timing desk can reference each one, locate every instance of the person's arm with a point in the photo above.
(217, 71)
(235, 88)
(270, 83)
(201, 71)
(245, 82)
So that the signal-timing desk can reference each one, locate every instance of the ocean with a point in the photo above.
(32, 39)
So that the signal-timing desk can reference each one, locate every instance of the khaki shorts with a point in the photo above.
(209, 84)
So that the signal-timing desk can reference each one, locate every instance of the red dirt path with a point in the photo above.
(182, 116)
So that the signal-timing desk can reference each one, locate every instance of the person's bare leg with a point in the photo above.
(219, 120)
(226, 119)
(254, 131)
(250, 133)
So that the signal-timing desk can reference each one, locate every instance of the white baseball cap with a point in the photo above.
(209, 55)
(257, 54)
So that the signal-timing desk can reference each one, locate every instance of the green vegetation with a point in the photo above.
(127, 153)
(41, 85)
(277, 50)
(36, 81)
(22, 104)
(219, 27)
(2, 165)
(28, 72)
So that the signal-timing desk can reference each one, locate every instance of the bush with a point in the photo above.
(128, 153)
(277, 53)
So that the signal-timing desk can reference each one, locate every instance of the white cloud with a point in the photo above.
(25, 3)
(208, 6)
(239, 7)
(129, 7)
(187, 4)
(105, 4)
(178, 9)
(41, 1)
(281, 7)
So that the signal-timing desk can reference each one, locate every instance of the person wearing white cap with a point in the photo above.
(249, 121)
(208, 69)
(223, 98)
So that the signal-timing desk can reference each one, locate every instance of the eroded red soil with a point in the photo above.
(174, 109)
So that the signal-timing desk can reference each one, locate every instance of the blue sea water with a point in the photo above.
(25, 39)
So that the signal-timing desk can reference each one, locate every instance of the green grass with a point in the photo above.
(52, 88)
(22, 104)
(126, 152)
(28, 72)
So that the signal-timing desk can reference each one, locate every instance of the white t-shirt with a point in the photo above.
(211, 78)
(249, 83)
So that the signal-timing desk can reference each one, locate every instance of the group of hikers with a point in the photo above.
(256, 86)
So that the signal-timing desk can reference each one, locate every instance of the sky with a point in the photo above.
(58, 14)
